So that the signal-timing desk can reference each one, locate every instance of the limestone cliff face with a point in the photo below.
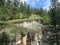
(33, 27)
(23, 40)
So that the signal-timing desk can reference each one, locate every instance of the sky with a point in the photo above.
(38, 3)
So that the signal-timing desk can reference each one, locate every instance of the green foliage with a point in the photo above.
(21, 16)
(2, 3)
(28, 11)
(54, 37)
(39, 11)
(46, 18)
(23, 31)
(58, 14)
(4, 39)
(17, 30)
(18, 11)
(12, 34)
(13, 30)
(33, 16)
(21, 7)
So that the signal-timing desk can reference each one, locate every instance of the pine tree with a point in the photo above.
(54, 38)
(21, 7)
(4, 39)
(14, 9)
(24, 10)
(28, 12)
(2, 3)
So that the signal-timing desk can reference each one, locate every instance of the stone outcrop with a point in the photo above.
(23, 40)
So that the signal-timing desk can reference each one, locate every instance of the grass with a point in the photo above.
(10, 22)
(17, 21)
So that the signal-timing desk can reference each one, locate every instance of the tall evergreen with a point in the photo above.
(21, 7)
(24, 10)
(2, 3)
(28, 12)
(41, 12)
(14, 9)
(54, 38)
(4, 39)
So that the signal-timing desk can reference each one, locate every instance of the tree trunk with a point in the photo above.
(23, 40)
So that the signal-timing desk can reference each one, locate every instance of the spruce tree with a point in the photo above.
(54, 38)
(4, 39)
